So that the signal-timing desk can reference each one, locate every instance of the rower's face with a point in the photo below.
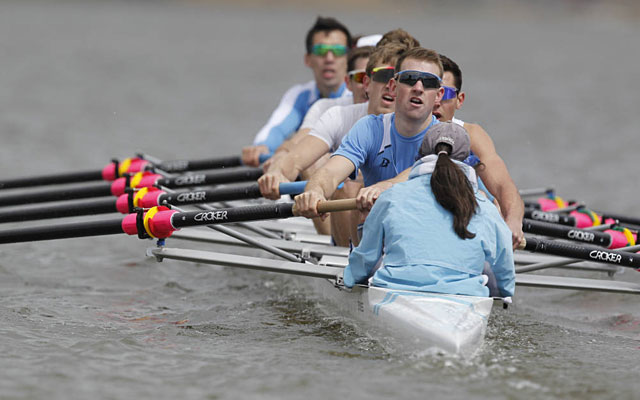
(329, 70)
(445, 110)
(416, 102)
(382, 99)
(359, 94)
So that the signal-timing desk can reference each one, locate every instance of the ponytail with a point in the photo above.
(453, 191)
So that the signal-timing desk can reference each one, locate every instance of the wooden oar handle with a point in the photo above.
(522, 244)
(336, 205)
(332, 205)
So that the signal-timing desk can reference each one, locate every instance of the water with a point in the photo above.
(556, 86)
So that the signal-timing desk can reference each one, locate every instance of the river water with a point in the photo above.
(557, 86)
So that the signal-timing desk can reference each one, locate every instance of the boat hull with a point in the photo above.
(412, 322)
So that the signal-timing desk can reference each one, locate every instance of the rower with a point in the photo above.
(327, 43)
(327, 134)
(494, 174)
(356, 63)
(436, 230)
(383, 145)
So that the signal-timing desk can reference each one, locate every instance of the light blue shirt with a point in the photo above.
(378, 154)
(288, 116)
(422, 251)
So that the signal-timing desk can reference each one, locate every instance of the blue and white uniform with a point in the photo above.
(375, 147)
(288, 116)
(422, 251)
(472, 160)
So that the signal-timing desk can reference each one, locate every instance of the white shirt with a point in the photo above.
(336, 122)
(320, 107)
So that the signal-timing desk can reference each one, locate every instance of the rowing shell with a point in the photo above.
(403, 321)
(408, 322)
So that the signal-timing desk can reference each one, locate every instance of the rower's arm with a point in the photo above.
(326, 179)
(301, 156)
(322, 185)
(501, 260)
(291, 143)
(364, 258)
(367, 196)
(497, 179)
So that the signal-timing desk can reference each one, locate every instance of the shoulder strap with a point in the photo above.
(386, 138)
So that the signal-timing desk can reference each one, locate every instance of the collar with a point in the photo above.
(427, 164)
(333, 95)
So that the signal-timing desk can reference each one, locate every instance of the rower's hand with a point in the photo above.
(368, 195)
(269, 184)
(251, 155)
(307, 204)
(516, 231)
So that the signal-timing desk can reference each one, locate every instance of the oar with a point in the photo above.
(160, 222)
(117, 169)
(140, 180)
(610, 238)
(145, 198)
(582, 252)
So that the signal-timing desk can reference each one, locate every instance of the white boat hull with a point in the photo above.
(413, 322)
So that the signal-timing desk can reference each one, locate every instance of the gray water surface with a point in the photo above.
(557, 86)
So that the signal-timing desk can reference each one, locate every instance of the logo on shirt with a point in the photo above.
(385, 162)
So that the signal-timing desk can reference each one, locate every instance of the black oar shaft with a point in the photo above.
(72, 230)
(70, 209)
(211, 195)
(625, 219)
(96, 190)
(71, 177)
(199, 165)
(550, 217)
(237, 214)
(583, 252)
(215, 178)
(565, 232)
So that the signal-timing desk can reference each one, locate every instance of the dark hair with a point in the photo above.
(326, 25)
(453, 191)
(398, 36)
(420, 54)
(450, 66)
(387, 54)
(356, 53)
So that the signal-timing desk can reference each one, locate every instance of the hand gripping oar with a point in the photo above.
(583, 252)
(144, 198)
(161, 222)
(117, 169)
(138, 181)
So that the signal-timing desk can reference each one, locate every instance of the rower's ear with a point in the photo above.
(393, 84)
(307, 60)
(460, 100)
(365, 83)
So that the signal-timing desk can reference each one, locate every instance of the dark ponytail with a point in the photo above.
(453, 191)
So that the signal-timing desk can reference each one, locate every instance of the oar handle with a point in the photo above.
(331, 206)
(336, 205)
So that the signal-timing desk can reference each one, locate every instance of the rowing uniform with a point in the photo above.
(288, 116)
(336, 123)
(419, 256)
(472, 160)
(318, 109)
(375, 147)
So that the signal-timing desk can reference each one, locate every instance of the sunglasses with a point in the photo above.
(382, 74)
(410, 78)
(321, 50)
(449, 93)
(357, 75)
